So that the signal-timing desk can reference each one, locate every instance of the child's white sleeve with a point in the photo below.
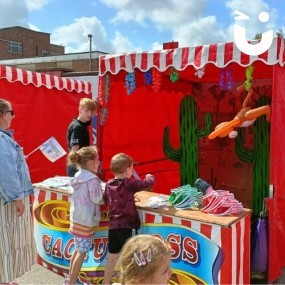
(95, 191)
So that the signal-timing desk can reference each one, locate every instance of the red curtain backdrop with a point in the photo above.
(40, 114)
(136, 122)
(135, 126)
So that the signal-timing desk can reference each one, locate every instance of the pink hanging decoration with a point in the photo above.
(156, 80)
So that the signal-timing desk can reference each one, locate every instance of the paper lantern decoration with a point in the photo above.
(226, 79)
(106, 88)
(148, 77)
(104, 96)
(156, 80)
(174, 75)
(200, 72)
(130, 83)
(249, 77)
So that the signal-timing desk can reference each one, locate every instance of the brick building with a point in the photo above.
(18, 42)
(31, 50)
(72, 64)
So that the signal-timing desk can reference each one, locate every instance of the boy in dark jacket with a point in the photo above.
(123, 215)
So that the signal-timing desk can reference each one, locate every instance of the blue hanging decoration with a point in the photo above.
(148, 77)
(226, 79)
(174, 75)
(130, 83)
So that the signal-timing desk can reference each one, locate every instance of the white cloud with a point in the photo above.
(122, 44)
(75, 36)
(36, 4)
(13, 13)
(185, 20)
(161, 13)
(252, 9)
(156, 46)
(33, 27)
(202, 31)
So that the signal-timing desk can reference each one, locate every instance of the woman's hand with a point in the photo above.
(20, 207)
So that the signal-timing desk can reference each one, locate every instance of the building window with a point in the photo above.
(45, 53)
(15, 47)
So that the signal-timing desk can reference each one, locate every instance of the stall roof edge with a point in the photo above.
(13, 74)
(221, 55)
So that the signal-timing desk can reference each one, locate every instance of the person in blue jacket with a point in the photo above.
(17, 250)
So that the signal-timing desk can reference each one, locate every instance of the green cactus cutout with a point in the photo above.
(259, 156)
(187, 152)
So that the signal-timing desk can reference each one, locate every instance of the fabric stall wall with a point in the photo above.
(41, 113)
(276, 205)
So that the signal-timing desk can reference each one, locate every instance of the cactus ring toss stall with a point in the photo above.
(208, 112)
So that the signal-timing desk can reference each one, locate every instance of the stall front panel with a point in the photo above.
(44, 105)
(205, 249)
(203, 253)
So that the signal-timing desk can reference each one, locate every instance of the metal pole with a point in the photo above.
(90, 51)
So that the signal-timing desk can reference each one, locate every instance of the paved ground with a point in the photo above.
(40, 275)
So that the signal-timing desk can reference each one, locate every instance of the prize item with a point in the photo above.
(186, 197)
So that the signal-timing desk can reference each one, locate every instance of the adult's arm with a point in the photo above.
(9, 177)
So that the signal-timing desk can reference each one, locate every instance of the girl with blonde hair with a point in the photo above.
(85, 211)
(145, 259)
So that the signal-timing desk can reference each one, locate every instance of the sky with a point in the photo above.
(120, 26)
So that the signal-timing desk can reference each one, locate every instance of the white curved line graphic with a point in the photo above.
(250, 49)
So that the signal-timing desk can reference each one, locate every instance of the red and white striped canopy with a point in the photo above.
(40, 79)
(219, 54)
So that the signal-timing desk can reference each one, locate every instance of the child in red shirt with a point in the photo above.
(123, 215)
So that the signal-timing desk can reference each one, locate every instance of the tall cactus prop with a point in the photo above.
(259, 156)
(187, 152)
